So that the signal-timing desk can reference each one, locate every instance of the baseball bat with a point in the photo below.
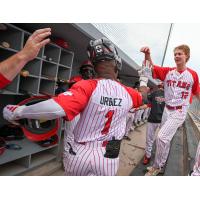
(24, 73)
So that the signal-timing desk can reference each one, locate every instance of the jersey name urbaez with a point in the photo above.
(103, 105)
(178, 86)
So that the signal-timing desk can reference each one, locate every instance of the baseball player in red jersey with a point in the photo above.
(103, 104)
(179, 83)
(10, 67)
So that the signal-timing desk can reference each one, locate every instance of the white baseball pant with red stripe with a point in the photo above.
(129, 122)
(90, 161)
(137, 116)
(150, 137)
(171, 121)
(146, 113)
(196, 169)
(140, 115)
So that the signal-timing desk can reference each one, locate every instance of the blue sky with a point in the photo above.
(130, 37)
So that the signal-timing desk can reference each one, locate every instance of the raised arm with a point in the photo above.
(13, 65)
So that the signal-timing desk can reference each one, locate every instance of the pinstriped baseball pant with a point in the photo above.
(90, 161)
(196, 169)
(171, 121)
(138, 115)
(129, 122)
(145, 114)
(150, 137)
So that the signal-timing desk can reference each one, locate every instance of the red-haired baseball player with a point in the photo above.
(10, 67)
(179, 83)
(103, 104)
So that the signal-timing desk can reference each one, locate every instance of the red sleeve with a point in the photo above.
(191, 96)
(195, 87)
(136, 97)
(74, 100)
(3, 81)
(160, 72)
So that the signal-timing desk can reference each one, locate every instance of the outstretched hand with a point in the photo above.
(147, 56)
(34, 43)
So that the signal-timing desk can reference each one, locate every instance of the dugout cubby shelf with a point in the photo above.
(34, 67)
(29, 85)
(51, 53)
(63, 72)
(18, 166)
(49, 70)
(66, 58)
(47, 86)
(51, 63)
(13, 37)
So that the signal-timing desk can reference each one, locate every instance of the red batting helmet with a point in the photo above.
(38, 130)
(62, 43)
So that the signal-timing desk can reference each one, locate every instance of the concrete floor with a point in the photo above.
(132, 151)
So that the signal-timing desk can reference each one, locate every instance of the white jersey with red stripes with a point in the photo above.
(104, 103)
(105, 115)
(178, 85)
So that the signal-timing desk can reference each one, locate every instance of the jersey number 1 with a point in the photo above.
(106, 128)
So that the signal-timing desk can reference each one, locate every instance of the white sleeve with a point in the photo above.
(45, 110)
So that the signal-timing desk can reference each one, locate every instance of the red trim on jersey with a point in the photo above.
(161, 72)
(3, 81)
(195, 87)
(135, 95)
(191, 96)
(181, 71)
(149, 105)
(76, 98)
